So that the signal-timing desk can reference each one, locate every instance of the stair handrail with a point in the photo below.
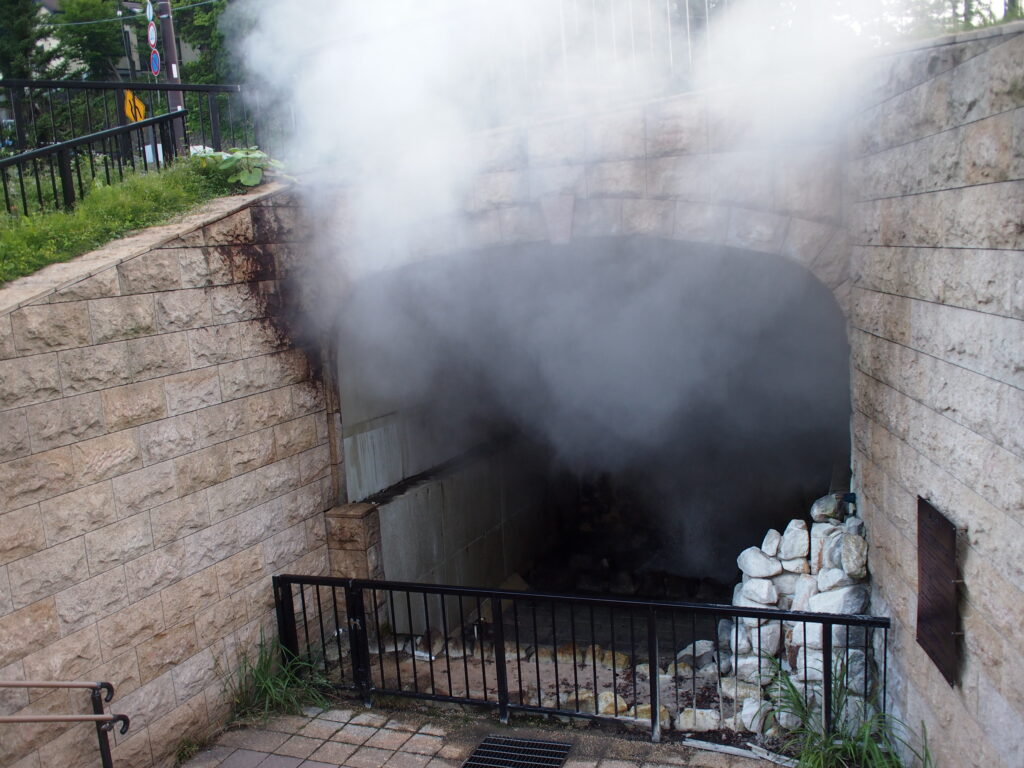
(100, 692)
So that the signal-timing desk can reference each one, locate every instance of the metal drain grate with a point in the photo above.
(499, 752)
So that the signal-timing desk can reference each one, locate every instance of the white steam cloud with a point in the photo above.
(618, 357)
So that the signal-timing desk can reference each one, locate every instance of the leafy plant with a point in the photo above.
(241, 165)
(861, 735)
(264, 684)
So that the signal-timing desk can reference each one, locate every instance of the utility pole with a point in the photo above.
(175, 100)
(126, 40)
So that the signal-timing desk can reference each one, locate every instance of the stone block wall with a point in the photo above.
(937, 337)
(164, 451)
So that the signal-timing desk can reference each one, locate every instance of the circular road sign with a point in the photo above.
(154, 62)
(149, 11)
(151, 34)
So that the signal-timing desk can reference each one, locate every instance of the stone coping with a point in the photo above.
(997, 30)
(55, 277)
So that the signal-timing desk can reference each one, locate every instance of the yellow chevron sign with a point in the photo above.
(134, 109)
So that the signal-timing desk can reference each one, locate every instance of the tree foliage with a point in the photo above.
(22, 53)
(92, 50)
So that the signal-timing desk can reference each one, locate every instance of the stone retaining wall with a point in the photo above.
(937, 341)
(164, 451)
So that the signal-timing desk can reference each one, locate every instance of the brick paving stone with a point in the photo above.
(319, 729)
(374, 719)
(423, 744)
(244, 758)
(210, 758)
(338, 715)
(571, 763)
(406, 722)
(316, 764)
(299, 746)
(286, 723)
(439, 762)
(433, 730)
(408, 760)
(354, 734)
(369, 757)
(385, 738)
(457, 751)
(333, 752)
(253, 739)
(619, 764)
(280, 761)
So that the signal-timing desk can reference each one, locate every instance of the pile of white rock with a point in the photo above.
(821, 569)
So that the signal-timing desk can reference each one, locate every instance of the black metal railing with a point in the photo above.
(578, 656)
(98, 694)
(55, 176)
(45, 112)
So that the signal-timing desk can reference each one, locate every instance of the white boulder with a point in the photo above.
(796, 565)
(698, 654)
(698, 720)
(832, 578)
(785, 583)
(754, 712)
(770, 545)
(761, 591)
(756, 564)
(806, 588)
(827, 508)
(795, 541)
(851, 600)
(853, 555)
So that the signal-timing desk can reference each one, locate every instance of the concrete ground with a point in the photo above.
(431, 738)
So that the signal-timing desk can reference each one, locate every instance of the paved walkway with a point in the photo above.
(377, 738)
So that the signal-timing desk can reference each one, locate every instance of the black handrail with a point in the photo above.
(710, 609)
(66, 156)
(90, 138)
(99, 692)
(106, 85)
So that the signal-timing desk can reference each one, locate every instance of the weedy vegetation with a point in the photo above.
(268, 682)
(862, 736)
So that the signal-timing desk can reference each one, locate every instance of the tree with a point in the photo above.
(22, 53)
(210, 30)
(93, 50)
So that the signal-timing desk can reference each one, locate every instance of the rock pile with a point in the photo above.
(820, 569)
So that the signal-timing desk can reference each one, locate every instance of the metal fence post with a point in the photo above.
(286, 631)
(500, 671)
(211, 102)
(652, 661)
(360, 645)
(18, 107)
(826, 662)
(102, 728)
(67, 182)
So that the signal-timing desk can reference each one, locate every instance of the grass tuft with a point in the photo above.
(264, 685)
(29, 243)
(861, 737)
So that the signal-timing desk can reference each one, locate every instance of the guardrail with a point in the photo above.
(55, 176)
(577, 656)
(49, 111)
(104, 721)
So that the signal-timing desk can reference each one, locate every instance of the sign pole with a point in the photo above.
(176, 100)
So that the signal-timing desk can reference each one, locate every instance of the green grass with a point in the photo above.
(263, 685)
(29, 243)
(858, 739)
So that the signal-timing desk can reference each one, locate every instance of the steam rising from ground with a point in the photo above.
(693, 370)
